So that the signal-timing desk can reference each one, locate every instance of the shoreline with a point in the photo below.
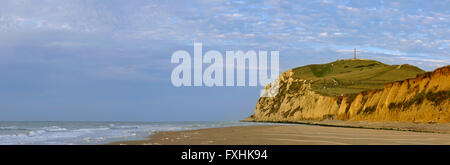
(442, 128)
(308, 133)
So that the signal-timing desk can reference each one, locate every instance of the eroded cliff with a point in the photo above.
(424, 98)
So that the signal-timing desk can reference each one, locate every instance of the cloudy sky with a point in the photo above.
(110, 59)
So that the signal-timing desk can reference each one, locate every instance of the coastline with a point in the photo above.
(443, 128)
(308, 133)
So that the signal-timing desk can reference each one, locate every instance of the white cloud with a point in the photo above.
(249, 35)
(234, 15)
(220, 36)
(323, 34)
(338, 34)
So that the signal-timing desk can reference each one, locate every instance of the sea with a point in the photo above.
(94, 133)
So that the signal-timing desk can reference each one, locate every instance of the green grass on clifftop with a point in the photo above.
(353, 76)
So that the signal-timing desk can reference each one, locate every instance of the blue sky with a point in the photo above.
(110, 59)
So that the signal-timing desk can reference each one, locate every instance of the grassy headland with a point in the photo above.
(353, 76)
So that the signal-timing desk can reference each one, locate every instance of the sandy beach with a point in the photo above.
(292, 135)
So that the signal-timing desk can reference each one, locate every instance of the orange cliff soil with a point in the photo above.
(423, 99)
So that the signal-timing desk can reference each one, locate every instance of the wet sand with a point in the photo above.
(385, 125)
(292, 135)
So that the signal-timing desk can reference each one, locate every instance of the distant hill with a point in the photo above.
(353, 76)
(358, 90)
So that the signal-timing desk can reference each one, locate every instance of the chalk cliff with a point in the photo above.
(424, 98)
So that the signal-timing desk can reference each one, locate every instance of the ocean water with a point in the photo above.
(86, 133)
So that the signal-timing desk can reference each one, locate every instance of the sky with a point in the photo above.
(109, 60)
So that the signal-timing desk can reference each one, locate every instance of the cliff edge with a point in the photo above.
(353, 90)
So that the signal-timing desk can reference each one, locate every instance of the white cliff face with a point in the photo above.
(421, 99)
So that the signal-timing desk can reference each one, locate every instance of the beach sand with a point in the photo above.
(292, 135)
